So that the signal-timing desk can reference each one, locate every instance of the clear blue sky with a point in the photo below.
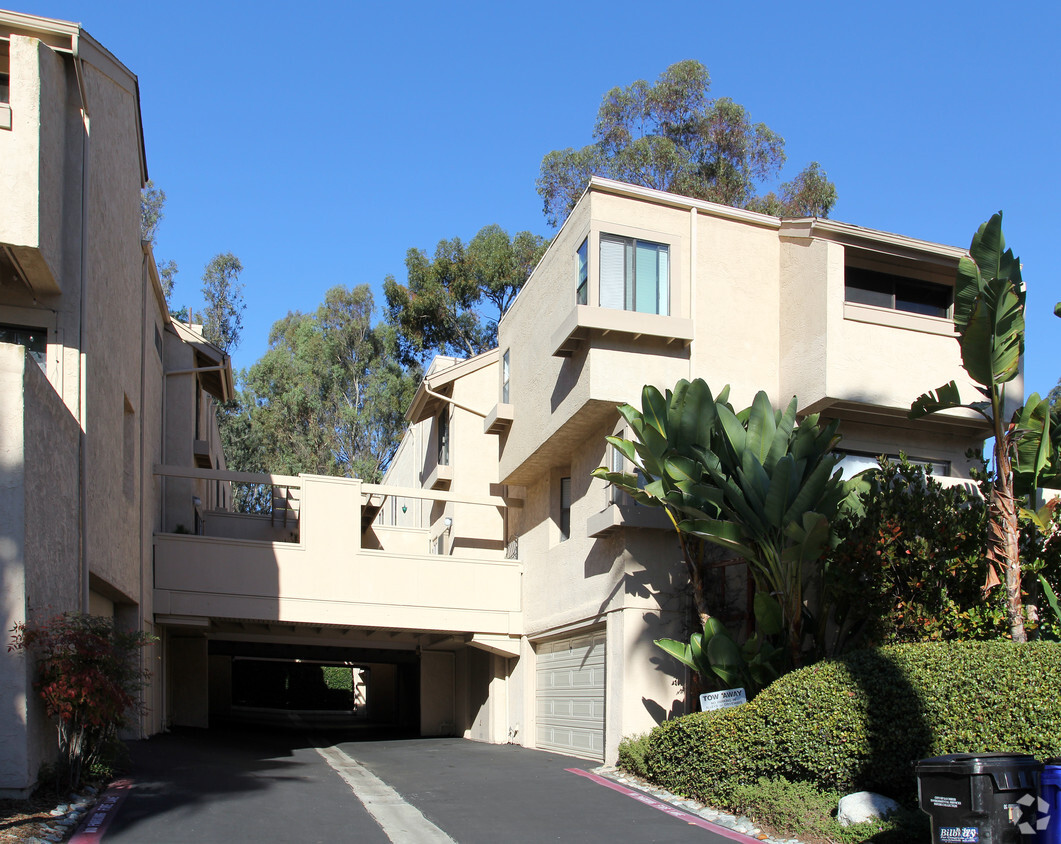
(319, 141)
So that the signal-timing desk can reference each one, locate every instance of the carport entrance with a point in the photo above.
(261, 682)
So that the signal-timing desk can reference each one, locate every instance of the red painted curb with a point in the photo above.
(666, 808)
(92, 828)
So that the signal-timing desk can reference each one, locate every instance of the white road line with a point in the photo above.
(402, 822)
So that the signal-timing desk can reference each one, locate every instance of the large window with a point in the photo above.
(899, 293)
(634, 275)
(582, 290)
(34, 339)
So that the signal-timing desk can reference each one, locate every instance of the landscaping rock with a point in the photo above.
(864, 806)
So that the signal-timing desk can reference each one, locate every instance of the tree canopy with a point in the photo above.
(222, 315)
(451, 304)
(673, 136)
(328, 396)
(152, 212)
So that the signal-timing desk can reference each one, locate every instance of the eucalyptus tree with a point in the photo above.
(451, 303)
(673, 136)
(329, 395)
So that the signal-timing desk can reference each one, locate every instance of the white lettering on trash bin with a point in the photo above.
(959, 834)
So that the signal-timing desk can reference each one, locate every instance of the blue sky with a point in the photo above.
(319, 141)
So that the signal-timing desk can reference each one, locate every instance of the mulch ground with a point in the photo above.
(21, 820)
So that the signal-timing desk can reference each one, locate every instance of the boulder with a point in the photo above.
(864, 806)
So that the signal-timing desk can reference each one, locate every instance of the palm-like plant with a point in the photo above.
(989, 317)
(756, 483)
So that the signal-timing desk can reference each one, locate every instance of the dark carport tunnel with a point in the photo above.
(318, 687)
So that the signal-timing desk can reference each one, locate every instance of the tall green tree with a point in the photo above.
(328, 396)
(989, 298)
(152, 212)
(673, 136)
(223, 305)
(451, 304)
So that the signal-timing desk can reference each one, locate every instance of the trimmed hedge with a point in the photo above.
(860, 722)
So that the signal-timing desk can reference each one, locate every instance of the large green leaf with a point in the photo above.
(1032, 424)
(782, 435)
(725, 658)
(782, 486)
(654, 409)
(625, 446)
(944, 398)
(679, 650)
(993, 339)
(733, 430)
(691, 415)
(767, 614)
(723, 533)
(762, 424)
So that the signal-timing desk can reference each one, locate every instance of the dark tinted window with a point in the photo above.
(869, 287)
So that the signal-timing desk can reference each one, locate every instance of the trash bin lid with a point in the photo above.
(967, 764)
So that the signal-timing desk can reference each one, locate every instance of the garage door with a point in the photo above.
(570, 699)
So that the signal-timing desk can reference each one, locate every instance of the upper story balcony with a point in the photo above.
(867, 323)
(332, 564)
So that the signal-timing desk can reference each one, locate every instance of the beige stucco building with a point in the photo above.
(86, 347)
(489, 587)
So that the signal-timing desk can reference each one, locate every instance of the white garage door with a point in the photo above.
(570, 700)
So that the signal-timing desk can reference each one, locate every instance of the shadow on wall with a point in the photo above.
(570, 372)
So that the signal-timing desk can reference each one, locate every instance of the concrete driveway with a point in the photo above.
(242, 785)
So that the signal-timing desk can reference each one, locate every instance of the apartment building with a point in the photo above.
(489, 587)
(86, 350)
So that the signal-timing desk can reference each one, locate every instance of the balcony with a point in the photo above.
(340, 569)
(586, 322)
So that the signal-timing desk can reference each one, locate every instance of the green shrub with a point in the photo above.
(910, 564)
(800, 809)
(633, 751)
(862, 721)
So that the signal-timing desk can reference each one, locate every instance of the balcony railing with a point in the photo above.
(344, 566)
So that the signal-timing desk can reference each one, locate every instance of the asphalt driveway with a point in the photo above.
(275, 786)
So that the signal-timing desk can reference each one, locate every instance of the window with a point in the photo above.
(129, 451)
(504, 378)
(853, 462)
(634, 275)
(565, 509)
(899, 293)
(5, 71)
(582, 290)
(34, 339)
(443, 437)
(616, 464)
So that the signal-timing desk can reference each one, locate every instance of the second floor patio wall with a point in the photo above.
(328, 576)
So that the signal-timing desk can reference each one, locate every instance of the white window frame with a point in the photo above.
(621, 261)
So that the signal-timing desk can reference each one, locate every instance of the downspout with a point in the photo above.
(693, 218)
(82, 390)
(141, 474)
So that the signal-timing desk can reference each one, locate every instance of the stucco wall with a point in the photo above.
(39, 552)
(113, 335)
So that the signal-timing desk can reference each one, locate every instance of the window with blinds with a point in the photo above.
(634, 275)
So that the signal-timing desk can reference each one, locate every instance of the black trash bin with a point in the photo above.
(986, 798)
